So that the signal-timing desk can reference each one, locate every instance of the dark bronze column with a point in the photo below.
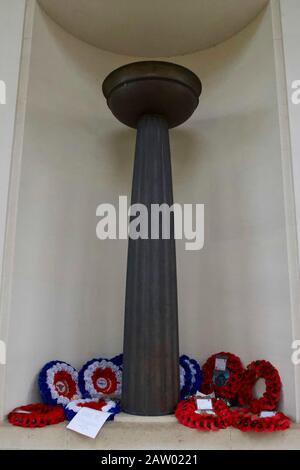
(150, 381)
(151, 96)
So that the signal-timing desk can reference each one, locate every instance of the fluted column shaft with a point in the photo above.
(151, 370)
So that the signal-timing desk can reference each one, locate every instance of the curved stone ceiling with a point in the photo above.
(153, 28)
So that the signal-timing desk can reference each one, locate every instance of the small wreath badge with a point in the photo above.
(225, 383)
(269, 400)
(245, 420)
(100, 377)
(186, 414)
(100, 404)
(58, 383)
(36, 415)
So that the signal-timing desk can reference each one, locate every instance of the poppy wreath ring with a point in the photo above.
(269, 400)
(231, 387)
(245, 420)
(36, 415)
(186, 414)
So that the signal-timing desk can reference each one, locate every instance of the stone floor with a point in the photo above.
(131, 432)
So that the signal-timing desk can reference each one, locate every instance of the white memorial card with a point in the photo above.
(267, 414)
(88, 421)
(220, 363)
(204, 404)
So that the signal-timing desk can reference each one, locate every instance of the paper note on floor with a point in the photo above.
(88, 422)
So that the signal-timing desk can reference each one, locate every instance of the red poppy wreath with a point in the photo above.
(269, 400)
(36, 415)
(186, 414)
(245, 420)
(234, 372)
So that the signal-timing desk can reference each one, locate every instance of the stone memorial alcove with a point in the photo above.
(64, 288)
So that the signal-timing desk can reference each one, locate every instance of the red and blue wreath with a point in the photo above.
(101, 377)
(58, 383)
(100, 404)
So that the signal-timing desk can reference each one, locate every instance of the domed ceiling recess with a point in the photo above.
(153, 28)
